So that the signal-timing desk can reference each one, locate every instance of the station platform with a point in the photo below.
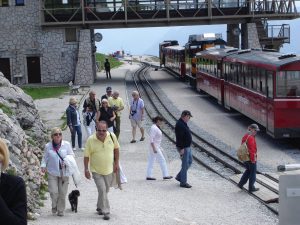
(211, 201)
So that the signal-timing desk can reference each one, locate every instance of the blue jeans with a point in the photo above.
(186, 162)
(76, 129)
(250, 173)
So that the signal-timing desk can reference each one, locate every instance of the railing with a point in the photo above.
(82, 11)
(279, 32)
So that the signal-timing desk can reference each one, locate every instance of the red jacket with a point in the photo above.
(251, 144)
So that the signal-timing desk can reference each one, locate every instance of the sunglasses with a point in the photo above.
(101, 130)
(57, 134)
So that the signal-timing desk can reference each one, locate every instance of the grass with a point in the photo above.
(113, 62)
(45, 92)
(6, 109)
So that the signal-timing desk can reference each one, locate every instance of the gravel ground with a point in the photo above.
(211, 201)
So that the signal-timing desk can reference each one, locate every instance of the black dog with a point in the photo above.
(73, 199)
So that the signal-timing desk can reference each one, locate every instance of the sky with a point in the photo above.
(145, 41)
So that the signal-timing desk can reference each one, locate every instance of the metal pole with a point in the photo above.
(83, 11)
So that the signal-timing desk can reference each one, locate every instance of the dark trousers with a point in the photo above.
(250, 173)
(76, 129)
(118, 123)
(108, 75)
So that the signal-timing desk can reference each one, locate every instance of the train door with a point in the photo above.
(270, 102)
(226, 70)
(5, 68)
(33, 70)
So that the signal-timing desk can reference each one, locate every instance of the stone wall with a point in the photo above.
(22, 36)
(84, 72)
(250, 36)
(25, 134)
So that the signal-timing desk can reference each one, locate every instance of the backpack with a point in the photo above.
(242, 152)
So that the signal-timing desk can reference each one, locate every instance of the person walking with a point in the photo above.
(58, 175)
(108, 94)
(73, 121)
(101, 157)
(117, 105)
(107, 114)
(183, 144)
(136, 115)
(250, 172)
(107, 68)
(155, 150)
(91, 100)
(89, 120)
(13, 199)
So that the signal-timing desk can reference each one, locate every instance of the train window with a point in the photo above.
(270, 84)
(288, 84)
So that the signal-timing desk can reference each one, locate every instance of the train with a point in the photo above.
(262, 84)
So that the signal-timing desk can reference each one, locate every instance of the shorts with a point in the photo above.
(139, 123)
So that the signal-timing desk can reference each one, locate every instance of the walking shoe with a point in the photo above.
(74, 149)
(142, 138)
(82, 149)
(253, 189)
(54, 211)
(239, 186)
(100, 212)
(106, 216)
(150, 178)
(133, 141)
(176, 178)
(168, 177)
(186, 185)
(60, 213)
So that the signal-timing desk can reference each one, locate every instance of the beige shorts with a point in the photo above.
(139, 123)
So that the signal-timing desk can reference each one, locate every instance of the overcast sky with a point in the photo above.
(144, 41)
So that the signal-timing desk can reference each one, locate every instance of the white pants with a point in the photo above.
(161, 159)
(90, 129)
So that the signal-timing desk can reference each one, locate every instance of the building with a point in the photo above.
(30, 53)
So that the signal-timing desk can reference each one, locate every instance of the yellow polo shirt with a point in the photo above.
(117, 102)
(101, 154)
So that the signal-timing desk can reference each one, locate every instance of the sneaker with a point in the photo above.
(106, 216)
(239, 186)
(150, 178)
(142, 138)
(82, 149)
(133, 141)
(168, 177)
(60, 213)
(253, 189)
(74, 149)
(186, 185)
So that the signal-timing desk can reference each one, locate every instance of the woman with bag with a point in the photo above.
(58, 174)
(250, 172)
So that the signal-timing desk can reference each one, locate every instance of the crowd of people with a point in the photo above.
(102, 120)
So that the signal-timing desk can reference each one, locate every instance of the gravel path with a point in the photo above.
(211, 201)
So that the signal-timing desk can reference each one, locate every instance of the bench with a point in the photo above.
(74, 89)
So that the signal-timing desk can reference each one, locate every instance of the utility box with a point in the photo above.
(289, 199)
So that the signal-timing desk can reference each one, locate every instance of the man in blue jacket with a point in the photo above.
(183, 144)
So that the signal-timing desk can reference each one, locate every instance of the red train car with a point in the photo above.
(265, 86)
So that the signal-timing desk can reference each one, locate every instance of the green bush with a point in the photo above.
(45, 92)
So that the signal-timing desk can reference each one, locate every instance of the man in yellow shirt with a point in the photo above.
(117, 105)
(101, 157)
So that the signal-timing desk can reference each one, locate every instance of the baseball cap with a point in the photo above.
(186, 113)
(108, 89)
(254, 127)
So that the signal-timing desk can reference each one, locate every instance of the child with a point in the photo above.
(89, 120)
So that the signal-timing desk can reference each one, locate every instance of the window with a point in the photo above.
(3, 3)
(288, 84)
(20, 2)
(70, 34)
(270, 84)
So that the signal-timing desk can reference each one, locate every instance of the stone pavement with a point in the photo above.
(211, 200)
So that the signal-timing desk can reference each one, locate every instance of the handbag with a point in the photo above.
(242, 152)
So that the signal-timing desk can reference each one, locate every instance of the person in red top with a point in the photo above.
(250, 172)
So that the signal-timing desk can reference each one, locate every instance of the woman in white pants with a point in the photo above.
(155, 151)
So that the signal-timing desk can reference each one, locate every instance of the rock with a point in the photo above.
(25, 134)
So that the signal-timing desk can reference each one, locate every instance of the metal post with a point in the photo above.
(167, 9)
(209, 12)
(83, 11)
(125, 10)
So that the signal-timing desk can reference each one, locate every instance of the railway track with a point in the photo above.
(205, 153)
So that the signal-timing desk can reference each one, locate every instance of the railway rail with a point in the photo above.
(205, 153)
